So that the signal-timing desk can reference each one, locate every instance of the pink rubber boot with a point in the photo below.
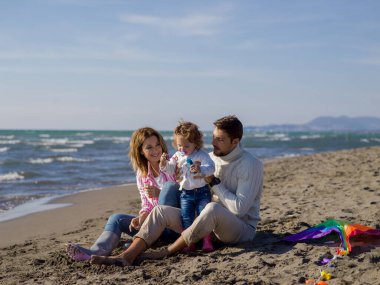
(207, 244)
(188, 249)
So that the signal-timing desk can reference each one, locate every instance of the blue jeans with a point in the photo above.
(169, 196)
(193, 201)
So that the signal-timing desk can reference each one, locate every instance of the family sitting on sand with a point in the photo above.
(234, 177)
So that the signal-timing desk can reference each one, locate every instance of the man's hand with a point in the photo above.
(208, 179)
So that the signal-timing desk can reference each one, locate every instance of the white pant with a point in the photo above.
(214, 218)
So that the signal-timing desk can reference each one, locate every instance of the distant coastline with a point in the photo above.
(324, 124)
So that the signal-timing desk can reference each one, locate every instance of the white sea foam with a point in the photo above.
(41, 160)
(207, 146)
(121, 140)
(51, 142)
(364, 140)
(310, 137)
(44, 136)
(77, 145)
(4, 149)
(11, 176)
(33, 206)
(63, 149)
(83, 134)
(260, 135)
(290, 155)
(7, 137)
(72, 159)
(168, 138)
(82, 142)
(279, 137)
(9, 141)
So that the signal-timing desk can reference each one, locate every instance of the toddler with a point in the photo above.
(194, 164)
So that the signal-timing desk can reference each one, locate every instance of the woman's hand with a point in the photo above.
(135, 224)
(152, 191)
(164, 160)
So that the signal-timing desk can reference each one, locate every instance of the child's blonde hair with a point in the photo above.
(190, 132)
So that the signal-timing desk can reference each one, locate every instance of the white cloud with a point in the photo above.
(141, 20)
(372, 54)
(369, 61)
(139, 73)
(192, 24)
(250, 45)
(76, 53)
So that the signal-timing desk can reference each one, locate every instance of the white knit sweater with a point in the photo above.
(241, 176)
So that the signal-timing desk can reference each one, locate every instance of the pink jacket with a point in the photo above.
(147, 204)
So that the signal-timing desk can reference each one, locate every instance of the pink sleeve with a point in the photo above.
(147, 204)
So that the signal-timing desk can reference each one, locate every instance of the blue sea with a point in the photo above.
(36, 166)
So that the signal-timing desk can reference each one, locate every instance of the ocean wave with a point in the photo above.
(7, 137)
(168, 138)
(290, 155)
(86, 134)
(4, 149)
(274, 137)
(46, 182)
(72, 159)
(260, 135)
(51, 142)
(61, 142)
(121, 140)
(11, 176)
(63, 150)
(8, 202)
(44, 136)
(81, 142)
(9, 141)
(207, 146)
(310, 137)
(77, 145)
(41, 160)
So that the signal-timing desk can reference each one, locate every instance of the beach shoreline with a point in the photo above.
(45, 204)
(76, 209)
(298, 192)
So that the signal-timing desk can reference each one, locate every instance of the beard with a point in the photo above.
(217, 152)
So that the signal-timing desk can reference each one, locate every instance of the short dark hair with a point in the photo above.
(231, 125)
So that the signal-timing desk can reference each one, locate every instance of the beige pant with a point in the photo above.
(214, 218)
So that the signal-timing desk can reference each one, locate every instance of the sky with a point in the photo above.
(121, 65)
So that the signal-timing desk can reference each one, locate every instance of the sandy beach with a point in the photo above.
(299, 192)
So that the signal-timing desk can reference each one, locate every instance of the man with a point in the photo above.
(237, 187)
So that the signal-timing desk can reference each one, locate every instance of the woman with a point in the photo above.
(155, 187)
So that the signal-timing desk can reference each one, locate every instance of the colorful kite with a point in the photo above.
(344, 229)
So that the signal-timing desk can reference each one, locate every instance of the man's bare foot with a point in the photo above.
(109, 260)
